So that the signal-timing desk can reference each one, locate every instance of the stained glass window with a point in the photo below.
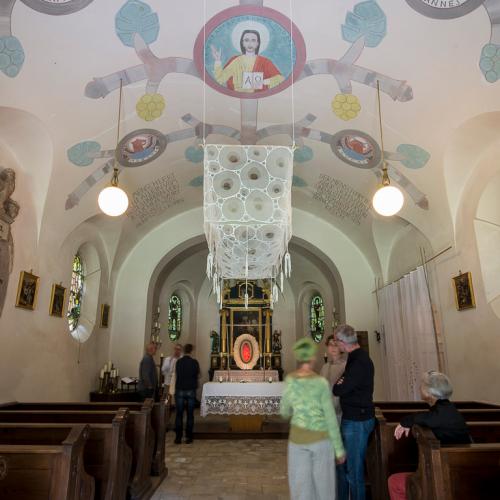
(317, 318)
(75, 293)
(174, 317)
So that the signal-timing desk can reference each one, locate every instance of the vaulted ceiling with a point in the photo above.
(61, 63)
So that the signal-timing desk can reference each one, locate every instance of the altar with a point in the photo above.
(246, 313)
(246, 404)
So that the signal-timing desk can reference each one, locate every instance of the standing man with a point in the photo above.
(148, 379)
(355, 390)
(168, 369)
(187, 371)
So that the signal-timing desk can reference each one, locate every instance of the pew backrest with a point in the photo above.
(454, 472)
(52, 472)
(159, 420)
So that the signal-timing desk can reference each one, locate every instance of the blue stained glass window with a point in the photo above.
(174, 317)
(317, 318)
(75, 293)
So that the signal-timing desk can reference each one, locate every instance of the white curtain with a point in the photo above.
(409, 340)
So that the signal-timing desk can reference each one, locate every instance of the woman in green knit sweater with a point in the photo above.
(314, 441)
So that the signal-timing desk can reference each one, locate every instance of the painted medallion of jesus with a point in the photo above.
(248, 72)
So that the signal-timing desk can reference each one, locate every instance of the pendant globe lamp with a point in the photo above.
(388, 200)
(113, 200)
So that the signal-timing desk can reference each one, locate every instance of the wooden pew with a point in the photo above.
(160, 415)
(470, 414)
(422, 405)
(386, 455)
(139, 435)
(107, 458)
(51, 472)
(458, 472)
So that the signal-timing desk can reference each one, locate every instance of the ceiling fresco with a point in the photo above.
(188, 79)
(219, 59)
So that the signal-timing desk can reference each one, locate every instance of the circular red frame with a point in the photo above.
(241, 10)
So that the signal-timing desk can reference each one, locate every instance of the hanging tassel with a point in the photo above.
(246, 300)
(288, 265)
(281, 280)
(210, 263)
(275, 293)
(220, 292)
(214, 285)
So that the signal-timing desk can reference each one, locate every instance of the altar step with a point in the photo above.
(218, 427)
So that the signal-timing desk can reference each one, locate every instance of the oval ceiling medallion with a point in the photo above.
(444, 9)
(243, 30)
(356, 148)
(57, 7)
(140, 147)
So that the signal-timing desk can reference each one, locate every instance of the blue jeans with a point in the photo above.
(351, 474)
(181, 397)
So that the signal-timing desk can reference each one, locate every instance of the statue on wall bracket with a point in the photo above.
(9, 210)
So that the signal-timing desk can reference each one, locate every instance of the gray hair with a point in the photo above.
(437, 384)
(346, 334)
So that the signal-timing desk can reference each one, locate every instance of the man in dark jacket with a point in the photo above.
(355, 390)
(187, 371)
(148, 379)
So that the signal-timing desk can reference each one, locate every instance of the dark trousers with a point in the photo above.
(146, 393)
(184, 397)
(351, 474)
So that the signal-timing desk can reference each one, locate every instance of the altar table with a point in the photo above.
(237, 398)
(246, 404)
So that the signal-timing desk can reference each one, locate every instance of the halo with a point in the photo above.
(250, 25)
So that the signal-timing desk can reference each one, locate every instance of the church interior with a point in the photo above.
(250, 138)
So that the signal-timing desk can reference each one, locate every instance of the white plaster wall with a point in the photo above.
(39, 358)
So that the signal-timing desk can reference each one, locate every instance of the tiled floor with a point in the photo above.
(225, 469)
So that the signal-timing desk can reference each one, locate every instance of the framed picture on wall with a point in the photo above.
(464, 292)
(27, 290)
(57, 299)
(105, 315)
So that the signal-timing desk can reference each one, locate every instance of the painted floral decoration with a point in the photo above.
(150, 106)
(11, 55)
(303, 154)
(298, 182)
(136, 17)
(82, 154)
(194, 154)
(490, 62)
(416, 157)
(346, 106)
(366, 20)
(196, 181)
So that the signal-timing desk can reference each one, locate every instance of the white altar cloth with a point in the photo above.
(236, 398)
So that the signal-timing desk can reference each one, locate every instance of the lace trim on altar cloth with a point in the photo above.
(240, 405)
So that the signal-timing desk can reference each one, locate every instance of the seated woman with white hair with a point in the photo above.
(444, 420)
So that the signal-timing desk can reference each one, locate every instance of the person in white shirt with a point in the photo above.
(168, 369)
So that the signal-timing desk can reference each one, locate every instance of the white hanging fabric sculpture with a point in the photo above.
(247, 212)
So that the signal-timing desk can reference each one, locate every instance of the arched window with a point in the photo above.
(317, 318)
(174, 317)
(75, 293)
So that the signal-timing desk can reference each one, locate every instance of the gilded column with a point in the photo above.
(268, 331)
(223, 332)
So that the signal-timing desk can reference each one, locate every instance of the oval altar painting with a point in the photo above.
(246, 351)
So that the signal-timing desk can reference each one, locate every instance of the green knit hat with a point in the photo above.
(304, 350)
